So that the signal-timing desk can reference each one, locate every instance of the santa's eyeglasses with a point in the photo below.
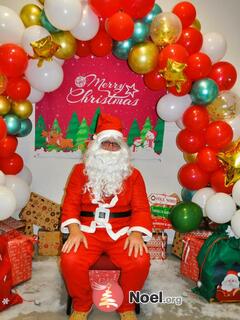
(110, 145)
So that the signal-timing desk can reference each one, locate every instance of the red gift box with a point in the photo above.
(20, 250)
(192, 246)
(157, 246)
(11, 224)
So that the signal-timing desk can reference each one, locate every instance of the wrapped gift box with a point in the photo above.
(42, 212)
(11, 224)
(157, 246)
(20, 250)
(103, 276)
(49, 243)
(192, 246)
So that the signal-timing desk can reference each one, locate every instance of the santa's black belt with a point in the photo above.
(111, 215)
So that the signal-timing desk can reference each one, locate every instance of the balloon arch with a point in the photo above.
(171, 53)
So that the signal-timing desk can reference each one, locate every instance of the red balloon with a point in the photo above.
(154, 81)
(199, 66)
(217, 181)
(192, 177)
(8, 146)
(218, 134)
(189, 141)
(186, 13)
(137, 8)
(175, 52)
(185, 88)
(105, 8)
(207, 159)
(12, 164)
(13, 60)
(101, 44)
(3, 129)
(120, 26)
(18, 89)
(224, 74)
(196, 118)
(191, 39)
(83, 48)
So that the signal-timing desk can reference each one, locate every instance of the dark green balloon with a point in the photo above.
(204, 91)
(141, 31)
(186, 216)
(46, 24)
(121, 49)
(152, 14)
(187, 194)
(13, 124)
(26, 128)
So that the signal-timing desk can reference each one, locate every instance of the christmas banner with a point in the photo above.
(66, 118)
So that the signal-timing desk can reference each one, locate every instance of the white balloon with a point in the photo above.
(11, 26)
(46, 78)
(220, 207)
(236, 192)
(35, 95)
(171, 107)
(88, 25)
(201, 197)
(63, 14)
(59, 61)
(7, 203)
(235, 125)
(20, 189)
(214, 45)
(235, 223)
(26, 175)
(33, 33)
(180, 124)
(2, 178)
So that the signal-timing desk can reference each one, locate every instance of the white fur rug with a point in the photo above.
(43, 293)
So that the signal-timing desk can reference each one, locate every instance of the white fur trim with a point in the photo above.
(108, 133)
(64, 225)
(199, 284)
(148, 234)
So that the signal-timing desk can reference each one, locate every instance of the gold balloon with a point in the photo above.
(67, 44)
(41, 1)
(5, 106)
(197, 25)
(3, 83)
(225, 107)
(190, 157)
(143, 57)
(44, 49)
(165, 29)
(30, 15)
(22, 109)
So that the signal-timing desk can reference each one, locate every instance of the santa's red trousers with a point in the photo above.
(75, 269)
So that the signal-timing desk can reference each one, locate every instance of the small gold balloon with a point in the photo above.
(3, 83)
(41, 1)
(5, 106)
(30, 15)
(197, 25)
(22, 109)
(165, 29)
(67, 44)
(190, 157)
(143, 57)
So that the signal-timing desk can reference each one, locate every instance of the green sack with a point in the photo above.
(218, 257)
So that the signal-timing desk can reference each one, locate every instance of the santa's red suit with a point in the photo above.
(109, 237)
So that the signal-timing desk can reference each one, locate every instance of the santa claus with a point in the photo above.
(230, 282)
(105, 209)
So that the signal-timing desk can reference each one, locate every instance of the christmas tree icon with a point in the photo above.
(82, 136)
(134, 132)
(158, 142)
(54, 131)
(40, 141)
(147, 127)
(93, 125)
(107, 300)
(73, 127)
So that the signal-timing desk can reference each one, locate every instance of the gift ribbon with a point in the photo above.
(186, 250)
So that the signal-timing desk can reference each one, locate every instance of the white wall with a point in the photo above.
(49, 175)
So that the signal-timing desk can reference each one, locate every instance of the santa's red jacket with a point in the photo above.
(133, 198)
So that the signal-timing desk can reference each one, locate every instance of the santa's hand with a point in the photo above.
(74, 240)
(135, 243)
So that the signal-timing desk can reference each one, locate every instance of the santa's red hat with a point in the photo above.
(108, 126)
(233, 273)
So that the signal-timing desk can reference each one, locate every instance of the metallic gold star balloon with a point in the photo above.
(230, 158)
(44, 49)
(173, 74)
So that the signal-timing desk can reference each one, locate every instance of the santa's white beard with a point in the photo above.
(106, 170)
(230, 284)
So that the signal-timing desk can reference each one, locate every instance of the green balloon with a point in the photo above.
(204, 91)
(187, 194)
(46, 24)
(152, 14)
(141, 31)
(186, 216)
(26, 128)
(121, 49)
(13, 124)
